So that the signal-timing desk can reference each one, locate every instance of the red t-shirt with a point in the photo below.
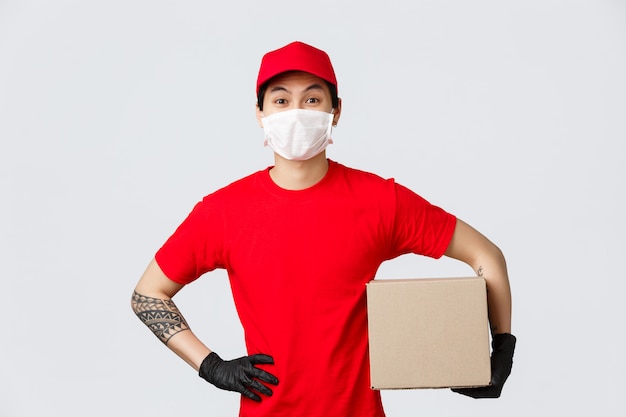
(298, 262)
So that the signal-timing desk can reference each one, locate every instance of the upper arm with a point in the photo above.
(470, 246)
(154, 283)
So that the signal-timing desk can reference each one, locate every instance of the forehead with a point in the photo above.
(295, 81)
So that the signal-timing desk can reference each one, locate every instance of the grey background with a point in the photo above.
(117, 116)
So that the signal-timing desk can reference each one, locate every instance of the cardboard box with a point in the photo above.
(428, 333)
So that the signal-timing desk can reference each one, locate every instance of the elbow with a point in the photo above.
(488, 260)
(497, 254)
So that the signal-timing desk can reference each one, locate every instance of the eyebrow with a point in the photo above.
(309, 88)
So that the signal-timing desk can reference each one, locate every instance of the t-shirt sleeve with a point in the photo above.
(194, 248)
(419, 226)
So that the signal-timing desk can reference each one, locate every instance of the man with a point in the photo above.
(300, 240)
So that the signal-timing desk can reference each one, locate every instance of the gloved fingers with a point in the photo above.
(239, 375)
(258, 373)
(491, 391)
(262, 375)
(257, 386)
(463, 391)
(249, 394)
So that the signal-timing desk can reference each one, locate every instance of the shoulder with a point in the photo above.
(359, 175)
(240, 187)
(235, 194)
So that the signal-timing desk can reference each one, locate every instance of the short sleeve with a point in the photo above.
(419, 226)
(195, 247)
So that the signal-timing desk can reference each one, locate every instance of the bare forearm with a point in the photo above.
(160, 315)
(152, 303)
(493, 269)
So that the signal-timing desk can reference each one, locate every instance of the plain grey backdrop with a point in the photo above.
(116, 117)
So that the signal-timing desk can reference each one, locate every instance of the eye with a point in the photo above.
(312, 100)
(280, 101)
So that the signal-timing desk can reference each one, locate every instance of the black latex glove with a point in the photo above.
(239, 375)
(503, 346)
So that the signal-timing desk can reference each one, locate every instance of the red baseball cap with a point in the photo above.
(296, 56)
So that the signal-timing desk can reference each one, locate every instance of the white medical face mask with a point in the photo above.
(298, 134)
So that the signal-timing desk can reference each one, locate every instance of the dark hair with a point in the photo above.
(331, 87)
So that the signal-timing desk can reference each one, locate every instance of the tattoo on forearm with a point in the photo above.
(161, 316)
(480, 271)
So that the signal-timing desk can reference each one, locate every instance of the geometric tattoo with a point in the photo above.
(161, 316)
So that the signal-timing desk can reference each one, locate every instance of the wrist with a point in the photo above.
(208, 364)
(504, 341)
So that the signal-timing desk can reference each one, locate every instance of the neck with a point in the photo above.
(298, 175)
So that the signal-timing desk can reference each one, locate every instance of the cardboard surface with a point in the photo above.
(428, 333)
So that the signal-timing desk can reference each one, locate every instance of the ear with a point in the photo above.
(259, 116)
(337, 113)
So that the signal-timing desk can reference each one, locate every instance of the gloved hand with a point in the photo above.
(238, 375)
(503, 346)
